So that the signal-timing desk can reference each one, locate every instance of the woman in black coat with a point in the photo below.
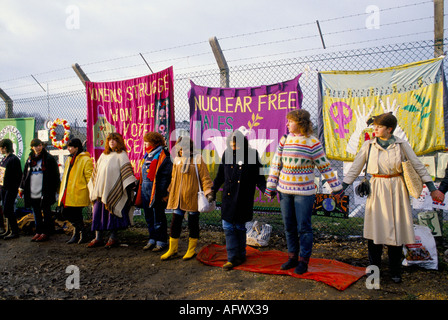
(40, 183)
(12, 168)
(239, 171)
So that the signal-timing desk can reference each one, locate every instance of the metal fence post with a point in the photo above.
(8, 104)
(438, 27)
(80, 73)
(221, 60)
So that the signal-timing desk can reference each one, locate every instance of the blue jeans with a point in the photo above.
(296, 213)
(157, 225)
(155, 216)
(235, 240)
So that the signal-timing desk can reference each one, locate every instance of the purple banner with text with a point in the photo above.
(258, 112)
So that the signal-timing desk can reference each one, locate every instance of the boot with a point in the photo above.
(374, 251)
(292, 262)
(2, 222)
(82, 235)
(75, 236)
(302, 267)
(13, 230)
(5, 232)
(192, 243)
(12, 235)
(78, 226)
(395, 257)
(172, 251)
(227, 266)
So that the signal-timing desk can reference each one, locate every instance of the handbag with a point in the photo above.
(412, 179)
(203, 204)
(138, 202)
(363, 189)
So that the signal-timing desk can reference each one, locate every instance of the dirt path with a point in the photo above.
(37, 271)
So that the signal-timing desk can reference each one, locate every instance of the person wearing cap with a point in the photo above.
(74, 193)
(9, 186)
(39, 185)
(388, 215)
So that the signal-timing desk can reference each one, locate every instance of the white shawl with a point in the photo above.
(112, 174)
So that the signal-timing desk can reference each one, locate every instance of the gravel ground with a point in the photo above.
(39, 271)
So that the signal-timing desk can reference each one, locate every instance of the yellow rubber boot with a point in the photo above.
(192, 243)
(172, 251)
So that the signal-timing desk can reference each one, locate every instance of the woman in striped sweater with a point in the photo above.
(292, 175)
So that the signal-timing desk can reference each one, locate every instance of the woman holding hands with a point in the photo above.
(292, 175)
(388, 216)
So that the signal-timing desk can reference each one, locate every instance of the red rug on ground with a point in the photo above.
(334, 273)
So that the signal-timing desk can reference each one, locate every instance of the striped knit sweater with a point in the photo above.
(292, 167)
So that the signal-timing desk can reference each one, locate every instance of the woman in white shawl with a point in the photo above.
(111, 192)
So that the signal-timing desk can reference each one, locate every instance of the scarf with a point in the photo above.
(34, 159)
(152, 159)
(186, 164)
(385, 143)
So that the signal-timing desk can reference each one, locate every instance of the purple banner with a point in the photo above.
(131, 107)
(258, 112)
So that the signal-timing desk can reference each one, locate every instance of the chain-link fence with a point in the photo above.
(72, 106)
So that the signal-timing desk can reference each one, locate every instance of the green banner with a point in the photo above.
(20, 131)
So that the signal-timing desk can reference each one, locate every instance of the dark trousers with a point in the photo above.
(394, 253)
(43, 217)
(74, 215)
(193, 225)
(8, 199)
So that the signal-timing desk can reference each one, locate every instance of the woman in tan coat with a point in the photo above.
(183, 195)
(388, 215)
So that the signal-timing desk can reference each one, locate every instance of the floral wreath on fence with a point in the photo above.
(59, 143)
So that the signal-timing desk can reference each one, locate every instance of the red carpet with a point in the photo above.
(334, 273)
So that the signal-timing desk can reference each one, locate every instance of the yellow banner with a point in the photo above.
(413, 93)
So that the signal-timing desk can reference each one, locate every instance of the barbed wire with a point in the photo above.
(242, 35)
(333, 46)
(317, 36)
(324, 20)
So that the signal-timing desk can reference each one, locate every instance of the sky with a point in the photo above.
(41, 40)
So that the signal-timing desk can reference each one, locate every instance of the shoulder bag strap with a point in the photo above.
(197, 174)
(367, 162)
(403, 153)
